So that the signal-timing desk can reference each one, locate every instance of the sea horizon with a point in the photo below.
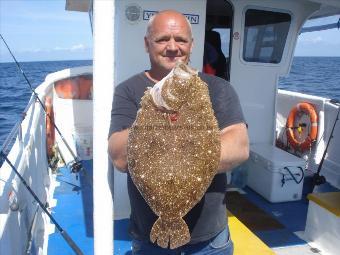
(311, 75)
(36, 61)
(62, 60)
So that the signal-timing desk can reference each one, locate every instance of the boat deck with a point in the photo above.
(73, 211)
(282, 231)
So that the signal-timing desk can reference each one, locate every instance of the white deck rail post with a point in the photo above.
(103, 63)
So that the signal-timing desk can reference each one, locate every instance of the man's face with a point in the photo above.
(169, 41)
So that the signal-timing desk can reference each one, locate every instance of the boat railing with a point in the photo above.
(25, 150)
(16, 131)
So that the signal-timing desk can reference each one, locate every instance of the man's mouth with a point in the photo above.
(173, 57)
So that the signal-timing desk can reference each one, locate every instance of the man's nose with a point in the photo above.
(172, 45)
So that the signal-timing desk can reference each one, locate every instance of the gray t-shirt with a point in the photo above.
(208, 217)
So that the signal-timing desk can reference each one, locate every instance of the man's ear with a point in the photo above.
(192, 45)
(146, 44)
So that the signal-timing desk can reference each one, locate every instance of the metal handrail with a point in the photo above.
(16, 130)
(30, 234)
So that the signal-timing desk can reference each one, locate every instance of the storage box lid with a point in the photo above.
(329, 201)
(274, 156)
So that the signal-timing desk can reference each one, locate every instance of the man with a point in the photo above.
(214, 61)
(168, 40)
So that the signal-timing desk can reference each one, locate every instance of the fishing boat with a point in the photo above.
(59, 193)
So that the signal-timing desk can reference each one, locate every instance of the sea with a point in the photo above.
(15, 92)
(318, 76)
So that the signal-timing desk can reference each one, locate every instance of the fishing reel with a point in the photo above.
(318, 179)
(76, 166)
(335, 101)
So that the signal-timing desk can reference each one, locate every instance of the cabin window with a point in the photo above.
(265, 35)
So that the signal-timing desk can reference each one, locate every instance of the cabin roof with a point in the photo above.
(78, 5)
(328, 7)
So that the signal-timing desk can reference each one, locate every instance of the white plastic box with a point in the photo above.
(323, 222)
(74, 120)
(83, 140)
(275, 174)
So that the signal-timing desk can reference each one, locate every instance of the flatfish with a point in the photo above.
(174, 151)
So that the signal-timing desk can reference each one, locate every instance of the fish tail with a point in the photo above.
(175, 232)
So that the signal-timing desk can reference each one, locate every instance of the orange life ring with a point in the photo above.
(67, 88)
(85, 87)
(50, 133)
(75, 88)
(311, 137)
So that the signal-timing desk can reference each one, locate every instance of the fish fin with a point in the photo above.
(159, 233)
(179, 234)
(174, 231)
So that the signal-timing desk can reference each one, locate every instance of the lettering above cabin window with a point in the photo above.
(265, 35)
(148, 14)
(193, 18)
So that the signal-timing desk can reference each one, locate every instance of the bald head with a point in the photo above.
(168, 40)
(167, 14)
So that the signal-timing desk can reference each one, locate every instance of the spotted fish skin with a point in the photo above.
(174, 153)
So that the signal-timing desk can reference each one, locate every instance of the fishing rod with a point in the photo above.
(317, 178)
(76, 166)
(64, 234)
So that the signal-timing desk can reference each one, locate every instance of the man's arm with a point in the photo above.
(234, 146)
(118, 149)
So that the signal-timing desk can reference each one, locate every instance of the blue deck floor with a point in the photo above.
(74, 213)
(292, 215)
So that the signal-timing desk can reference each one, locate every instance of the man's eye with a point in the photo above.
(181, 40)
(161, 40)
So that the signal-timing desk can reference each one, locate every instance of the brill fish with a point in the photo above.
(174, 151)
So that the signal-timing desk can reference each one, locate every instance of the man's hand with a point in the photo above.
(234, 146)
(118, 149)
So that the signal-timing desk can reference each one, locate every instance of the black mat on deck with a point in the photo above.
(249, 214)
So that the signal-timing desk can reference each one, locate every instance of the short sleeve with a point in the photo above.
(124, 109)
(225, 102)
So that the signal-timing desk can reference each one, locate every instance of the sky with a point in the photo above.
(320, 43)
(38, 30)
(42, 30)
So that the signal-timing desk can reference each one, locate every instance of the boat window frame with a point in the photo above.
(271, 9)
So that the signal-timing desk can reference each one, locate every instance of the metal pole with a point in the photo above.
(103, 82)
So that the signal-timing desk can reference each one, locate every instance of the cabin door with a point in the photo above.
(252, 39)
(218, 29)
